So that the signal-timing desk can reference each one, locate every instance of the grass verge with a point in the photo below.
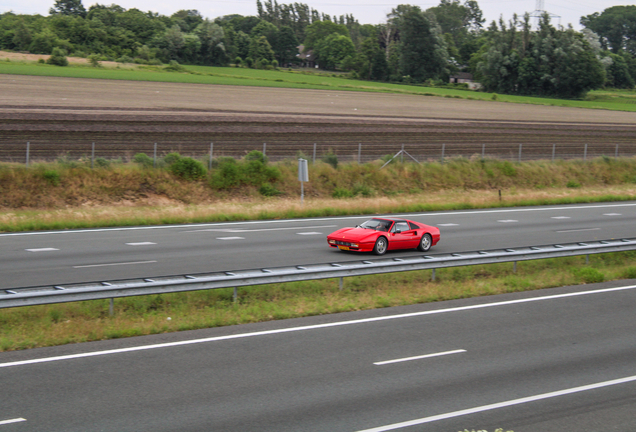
(39, 326)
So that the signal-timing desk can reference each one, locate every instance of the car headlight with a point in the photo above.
(332, 241)
(355, 245)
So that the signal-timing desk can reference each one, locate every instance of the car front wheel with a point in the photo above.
(425, 243)
(381, 245)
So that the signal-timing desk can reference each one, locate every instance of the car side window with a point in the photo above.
(413, 226)
(401, 226)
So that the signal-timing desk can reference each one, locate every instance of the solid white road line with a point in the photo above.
(42, 250)
(278, 221)
(17, 420)
(448, 224)
(501, 405)
(611, 214)
(230, 238)
(114, 264)
(508, 221)
(240, 230)
(577, 230)
(316, 326)
(419, 357)
(560, 217)
(310, 233)
(141, 244)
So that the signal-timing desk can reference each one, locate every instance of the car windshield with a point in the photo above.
(377, 224)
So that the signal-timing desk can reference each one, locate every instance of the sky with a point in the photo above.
(564, 12)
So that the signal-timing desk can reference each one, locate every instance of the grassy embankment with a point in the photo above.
(58, 195)
(609, 100)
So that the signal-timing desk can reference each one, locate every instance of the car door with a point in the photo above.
(402, 236)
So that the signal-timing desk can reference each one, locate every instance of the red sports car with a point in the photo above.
(378, 235)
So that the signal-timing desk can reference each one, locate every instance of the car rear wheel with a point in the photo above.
(425, 243)
(381, 245)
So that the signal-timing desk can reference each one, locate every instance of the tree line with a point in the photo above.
(413, 46)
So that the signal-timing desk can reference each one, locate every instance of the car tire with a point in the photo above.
(425, 243)
(381, 246)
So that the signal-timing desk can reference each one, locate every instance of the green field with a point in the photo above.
(601, 99)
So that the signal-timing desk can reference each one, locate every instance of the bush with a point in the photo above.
(174, 66)
(629, 273)
(94, 60)
(257, 156)
(102, 163)
(143, 159)
(331, 159)
(52, 177)
(572, 184)
(227, 174)
(58, 57)
(267, 189)
(341, 193)
(171, 158)
(589, 275)
(188, 169)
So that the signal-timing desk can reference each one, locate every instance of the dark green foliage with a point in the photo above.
(630, 273)
(267, 189)
(58, 58)
(226, 175)
(102, 162)
(339, 192)
(331, 158)
(188, 169)
(52, 177)
(143, 159)
(573, 184)
(171, 158)
(257, 156)
(252, 171)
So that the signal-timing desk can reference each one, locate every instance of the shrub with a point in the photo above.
(267, 189)
(331, 159)
(629, 273)
(94, 60)
(102, 163)
(143, 159)
(227, 174)
(572, 184)
(589, 275)
(339, 192)
(171, 158)
(257, 156)
(508, 169)
(52, 177)
(58, 57)
(188, 169)
(238, 61)
(174, 66)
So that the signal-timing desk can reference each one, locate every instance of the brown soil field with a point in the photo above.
(64, 116)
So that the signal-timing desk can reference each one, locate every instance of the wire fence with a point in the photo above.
(31, 152)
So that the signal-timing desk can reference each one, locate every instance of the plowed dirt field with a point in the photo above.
(65, 116)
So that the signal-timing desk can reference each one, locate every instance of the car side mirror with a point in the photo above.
(398, 231)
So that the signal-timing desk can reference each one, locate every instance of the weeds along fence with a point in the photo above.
(94, 152)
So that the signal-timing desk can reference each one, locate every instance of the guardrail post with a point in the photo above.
(514, 267)
(433, 276)
(235, 295)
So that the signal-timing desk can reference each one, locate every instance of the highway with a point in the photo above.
(558, 359)
(63, 257)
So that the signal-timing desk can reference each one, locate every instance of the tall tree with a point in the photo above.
(68, 7)
(616, 26)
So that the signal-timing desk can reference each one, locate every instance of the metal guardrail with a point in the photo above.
(31, 296)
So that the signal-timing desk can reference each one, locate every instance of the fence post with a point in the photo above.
(443, 150)
(483, 151)
(314, 159)
(92, 155)
(264, 147)
(585, 153)
(402, 155)
(553, 151)
(210, 161)
(520, 146)
(27, 154)
(154, 158)
(616, 152)
(359, 152)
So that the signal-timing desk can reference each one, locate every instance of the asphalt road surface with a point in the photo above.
(63, 257)
(552, 360)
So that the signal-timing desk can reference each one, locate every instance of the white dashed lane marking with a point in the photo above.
(560, 217)
(42, 250)
(230, 238)
(447, 225)
(141, 244)
(17, 420)
(310, 233)
(113, 264)
(419, 357)
(612, 214)
(508, 221)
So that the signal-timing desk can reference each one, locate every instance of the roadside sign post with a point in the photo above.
(303, 176)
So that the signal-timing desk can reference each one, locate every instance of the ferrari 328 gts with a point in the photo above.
(379, 235)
